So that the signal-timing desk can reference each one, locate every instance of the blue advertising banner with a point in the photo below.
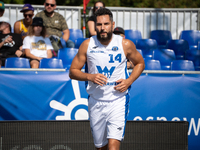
(52, 95)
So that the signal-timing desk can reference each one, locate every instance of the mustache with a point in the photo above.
(102, 31)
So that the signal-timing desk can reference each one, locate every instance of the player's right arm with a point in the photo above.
(77, 64)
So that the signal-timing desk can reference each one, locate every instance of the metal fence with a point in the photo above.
(142, 19)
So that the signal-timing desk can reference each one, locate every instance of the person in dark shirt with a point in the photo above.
(91, 21)
(56, 25)
(10, 43)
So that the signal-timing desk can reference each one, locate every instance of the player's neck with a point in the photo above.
(105, 43)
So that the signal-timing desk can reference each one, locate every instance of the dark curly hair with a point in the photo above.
(104, 11)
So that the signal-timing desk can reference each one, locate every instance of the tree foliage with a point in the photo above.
(120, 3)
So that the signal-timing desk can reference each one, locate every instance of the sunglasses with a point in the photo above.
(98, 7)
(28, 15)
(52, 5)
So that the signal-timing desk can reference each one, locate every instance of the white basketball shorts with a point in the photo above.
(108, 119)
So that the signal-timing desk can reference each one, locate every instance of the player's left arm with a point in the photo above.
(136, 58)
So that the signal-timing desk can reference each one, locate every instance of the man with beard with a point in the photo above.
(21, 26)
(107, 79)
(55, 24)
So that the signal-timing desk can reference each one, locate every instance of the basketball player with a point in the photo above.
(108, 81)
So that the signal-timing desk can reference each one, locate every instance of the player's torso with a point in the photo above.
(108, 60)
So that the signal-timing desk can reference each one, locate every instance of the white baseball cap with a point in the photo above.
(5, 19)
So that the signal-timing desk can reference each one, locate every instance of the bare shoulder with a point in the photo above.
(17, 23)
(85, 43)
(84, 46)
(17, 27)
(128, 46)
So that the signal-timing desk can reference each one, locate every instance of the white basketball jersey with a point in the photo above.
(110, 61)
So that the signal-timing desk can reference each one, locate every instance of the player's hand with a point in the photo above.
(122, 85)
(99, 79)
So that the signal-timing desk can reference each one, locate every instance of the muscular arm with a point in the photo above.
(66, 34)
(136, 58)
(77, 64)
(91, 27)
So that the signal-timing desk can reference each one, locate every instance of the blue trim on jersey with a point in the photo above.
(126, 110)
(86, 71)
(127, 75)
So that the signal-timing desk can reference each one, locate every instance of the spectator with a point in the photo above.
(92, 20)
(21, 26)
(120, 31)
(36, 45)
(2, 8)
(55, 24)
(10, 43)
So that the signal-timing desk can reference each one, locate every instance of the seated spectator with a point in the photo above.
(21, 26)
(36, 45)
(120, 31)
(10, 43)
(2, 8)
(56, 25)
(92, 20)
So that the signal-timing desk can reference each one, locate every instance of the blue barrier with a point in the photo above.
(51, 95)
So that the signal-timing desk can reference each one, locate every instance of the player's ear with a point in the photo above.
(113, 25)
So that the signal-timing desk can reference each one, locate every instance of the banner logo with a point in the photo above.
(76, 110)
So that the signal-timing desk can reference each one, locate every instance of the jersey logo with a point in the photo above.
(106, 72)
(115, 48)
(95, 47)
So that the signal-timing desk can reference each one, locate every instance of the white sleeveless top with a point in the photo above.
(109, 60)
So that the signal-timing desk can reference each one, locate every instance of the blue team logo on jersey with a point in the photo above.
(105, 71)
(115, 48)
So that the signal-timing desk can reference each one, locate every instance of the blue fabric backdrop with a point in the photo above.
(40, 95)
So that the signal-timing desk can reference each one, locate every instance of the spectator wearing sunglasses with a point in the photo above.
(21, 26)
(91, 21)
(56, 25)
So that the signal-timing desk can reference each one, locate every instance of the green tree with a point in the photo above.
(120, 3)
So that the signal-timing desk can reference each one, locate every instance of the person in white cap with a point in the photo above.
(10, 43)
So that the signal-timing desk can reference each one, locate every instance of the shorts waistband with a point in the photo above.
(112, 83)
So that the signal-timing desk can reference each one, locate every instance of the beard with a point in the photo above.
(49, 13)
(103, 39)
